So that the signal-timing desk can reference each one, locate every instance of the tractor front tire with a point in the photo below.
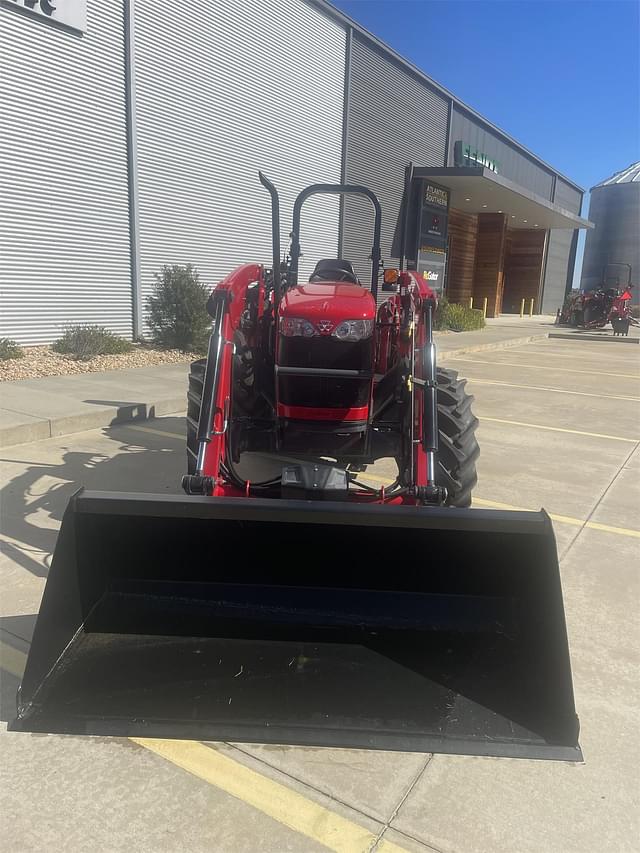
(194, 403)
(457, 445)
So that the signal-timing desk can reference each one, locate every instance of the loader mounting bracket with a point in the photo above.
(431, 495)
(195, 484)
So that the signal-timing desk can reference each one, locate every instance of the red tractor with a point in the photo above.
(316, 370)
(609, 303)
(284, 600)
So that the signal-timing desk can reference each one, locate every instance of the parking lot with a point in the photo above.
(559, 428)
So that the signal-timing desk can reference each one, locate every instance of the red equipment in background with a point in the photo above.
(610, 303)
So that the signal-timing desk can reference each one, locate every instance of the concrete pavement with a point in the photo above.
(577, 454)
(34, 409)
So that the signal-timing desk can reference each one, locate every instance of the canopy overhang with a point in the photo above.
(480, 190)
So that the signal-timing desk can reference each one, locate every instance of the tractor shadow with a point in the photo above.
(147, 457)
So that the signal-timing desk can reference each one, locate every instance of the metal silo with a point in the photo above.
(615, 240)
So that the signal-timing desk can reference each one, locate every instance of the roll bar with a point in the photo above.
(335, 189)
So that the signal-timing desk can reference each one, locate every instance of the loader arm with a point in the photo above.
(226, 305)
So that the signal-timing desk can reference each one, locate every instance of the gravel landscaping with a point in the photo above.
(42, 361)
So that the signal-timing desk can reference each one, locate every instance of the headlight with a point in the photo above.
(292, 327)
(353, 330)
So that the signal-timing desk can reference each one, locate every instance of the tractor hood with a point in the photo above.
(328, 301)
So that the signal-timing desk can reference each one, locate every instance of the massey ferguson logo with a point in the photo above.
(324, 327)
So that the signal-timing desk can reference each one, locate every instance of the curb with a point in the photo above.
(495, 345)
(579, 336)
(37, 429)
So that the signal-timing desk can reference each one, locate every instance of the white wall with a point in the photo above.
(223, 90)
(64, 239)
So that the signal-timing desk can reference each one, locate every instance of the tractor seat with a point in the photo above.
(334, 269)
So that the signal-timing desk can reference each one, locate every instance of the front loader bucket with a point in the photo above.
(328, 624)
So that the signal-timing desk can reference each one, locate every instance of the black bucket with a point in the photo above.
(438, 630)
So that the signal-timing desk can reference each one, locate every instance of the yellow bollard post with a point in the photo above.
(484, 307)
(522, 309)
(471, 302)
(531, 304)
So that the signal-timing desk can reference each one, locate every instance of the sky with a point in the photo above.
(560, 76)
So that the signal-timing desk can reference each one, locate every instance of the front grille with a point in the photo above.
(325, 351)
(324, 392)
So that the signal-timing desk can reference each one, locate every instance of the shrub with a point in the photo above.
(10, 349)
(85, 342)
(463, 319)
(458, 318)
(178, 317)
(440, 317)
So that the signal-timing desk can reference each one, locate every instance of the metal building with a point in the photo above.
(133, 132)
(614, 244)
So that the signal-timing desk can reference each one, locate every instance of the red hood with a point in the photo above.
(328, 301)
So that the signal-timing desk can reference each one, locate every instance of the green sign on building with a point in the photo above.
(468, 155)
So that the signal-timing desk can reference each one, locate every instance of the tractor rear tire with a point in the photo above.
(194, 402)
(457, 445)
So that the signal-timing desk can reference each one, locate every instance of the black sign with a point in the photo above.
(433, 224)
(434, 196)
(433, 217)
(426, 241)
(432, 235)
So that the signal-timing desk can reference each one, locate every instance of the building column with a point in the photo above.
(489, 267)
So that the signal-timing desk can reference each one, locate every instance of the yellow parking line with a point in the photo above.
(564, 519)
(153, 431)
(271, 798)
(561, 519)
(554, 390)
(555, 368)
(562, 429)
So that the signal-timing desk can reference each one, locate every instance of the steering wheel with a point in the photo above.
(335, 274)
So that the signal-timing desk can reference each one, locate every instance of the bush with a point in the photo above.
(85, 342)
(458, 318)
(10, 349)
(463, 319)
(440, 317)
(178, 317)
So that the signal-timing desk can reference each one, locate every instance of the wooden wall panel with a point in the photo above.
(463, 228)
(523, 269)
(489, 268)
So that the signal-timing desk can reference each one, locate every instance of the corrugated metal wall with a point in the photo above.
(560, 251)
(393, 119)
(224, 90)
(615, 210)
(513, 164)
(221, 91)
(64, 237)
